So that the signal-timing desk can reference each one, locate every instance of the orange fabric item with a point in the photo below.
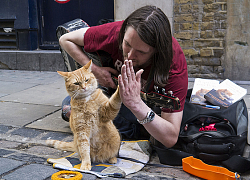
(198, 168)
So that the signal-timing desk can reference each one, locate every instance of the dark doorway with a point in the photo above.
(53, 14)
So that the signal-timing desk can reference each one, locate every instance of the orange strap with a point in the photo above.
(200, 169)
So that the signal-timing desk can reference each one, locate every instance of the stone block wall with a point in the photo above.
(236, 62)
(39, 60)
(200, 27)
(124, 7)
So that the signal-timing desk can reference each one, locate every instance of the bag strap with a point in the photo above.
(170, 156)
(192, 137)
(237, 163)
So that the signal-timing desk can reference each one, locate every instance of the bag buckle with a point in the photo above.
(237, 177)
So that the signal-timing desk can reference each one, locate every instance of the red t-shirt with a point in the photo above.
(105, 38)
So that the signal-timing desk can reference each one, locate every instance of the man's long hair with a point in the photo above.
(153, 27)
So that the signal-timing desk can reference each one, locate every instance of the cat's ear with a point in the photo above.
(88, 65)
(63, 74)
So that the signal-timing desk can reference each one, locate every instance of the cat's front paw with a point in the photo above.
(86, 166)
(113, 160)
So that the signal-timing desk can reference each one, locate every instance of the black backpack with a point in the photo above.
(216, 136)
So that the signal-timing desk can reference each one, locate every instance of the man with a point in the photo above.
(145, 54)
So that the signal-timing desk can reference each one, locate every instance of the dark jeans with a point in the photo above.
(127, 124)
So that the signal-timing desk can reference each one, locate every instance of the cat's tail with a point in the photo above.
(65, 146)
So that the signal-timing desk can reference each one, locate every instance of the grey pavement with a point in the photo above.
(30, 113)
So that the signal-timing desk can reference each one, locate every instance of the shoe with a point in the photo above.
(66, 112)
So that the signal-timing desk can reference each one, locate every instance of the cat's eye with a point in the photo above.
(76, 83)
(86, 80)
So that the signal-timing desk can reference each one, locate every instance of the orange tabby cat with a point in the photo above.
(96, 138)
(200, 94)
(224, 94)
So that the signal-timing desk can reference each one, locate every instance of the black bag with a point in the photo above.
(216, 136)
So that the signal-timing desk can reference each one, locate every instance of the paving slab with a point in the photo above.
(2, 94)
(13, 87)
(8, 144)
(151, 177)
(29, 158)
(16, 114)
(53, 122)
(58, 136)
(93, 177)
(48, 94)
(38, 77)
(4, 129)
(47, 152)
(4, 152)
(168, 172)
(33, 171)
(26, 132)
(9, 164)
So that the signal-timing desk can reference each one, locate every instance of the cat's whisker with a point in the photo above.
(74, 91)
(73, 97)
(75, 94)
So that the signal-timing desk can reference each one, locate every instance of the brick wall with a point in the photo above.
(200, 28)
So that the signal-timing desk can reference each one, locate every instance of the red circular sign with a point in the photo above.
(62, 1)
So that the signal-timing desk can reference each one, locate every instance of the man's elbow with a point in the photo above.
(170, 142)
(62, 40)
